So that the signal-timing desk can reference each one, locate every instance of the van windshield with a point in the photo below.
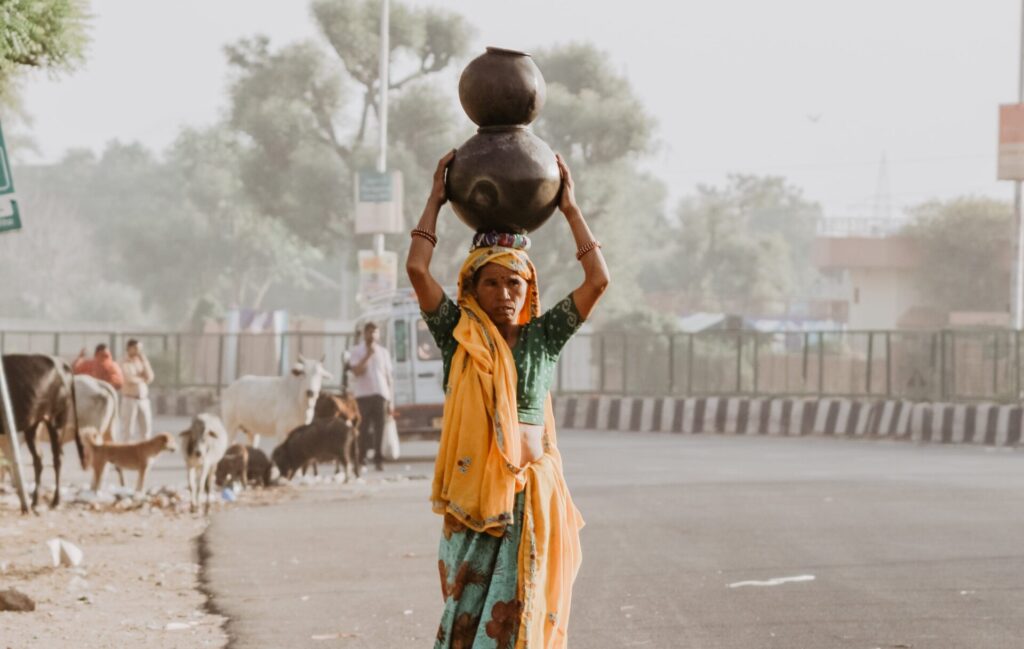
(426, 348)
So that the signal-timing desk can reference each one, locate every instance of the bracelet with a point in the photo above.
(587, 247)
(429, 236)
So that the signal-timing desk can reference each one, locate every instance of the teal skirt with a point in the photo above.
(478, 582)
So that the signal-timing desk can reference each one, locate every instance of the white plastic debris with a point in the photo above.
(177, 626)
(778, 581)
(63, 553)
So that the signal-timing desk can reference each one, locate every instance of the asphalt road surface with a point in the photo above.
(701, 542)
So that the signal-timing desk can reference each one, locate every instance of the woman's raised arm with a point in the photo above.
(595, 270)
(428, 292)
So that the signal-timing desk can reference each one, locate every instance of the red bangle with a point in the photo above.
(429, 236)
(587, 247)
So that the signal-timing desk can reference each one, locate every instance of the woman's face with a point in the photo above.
(501, 293)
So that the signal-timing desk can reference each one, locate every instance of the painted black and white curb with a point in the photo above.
(983, 423)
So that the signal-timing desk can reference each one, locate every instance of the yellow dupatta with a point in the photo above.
(477, 472)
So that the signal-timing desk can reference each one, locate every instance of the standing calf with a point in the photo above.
(204, 444)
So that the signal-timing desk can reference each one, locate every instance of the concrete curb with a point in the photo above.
(990, 424)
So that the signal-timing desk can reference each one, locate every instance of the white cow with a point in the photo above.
(204, 444)
(272, 405)
(96, 404)
(95, 407)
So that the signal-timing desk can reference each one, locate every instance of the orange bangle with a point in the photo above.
(429, 236)
(587, 247)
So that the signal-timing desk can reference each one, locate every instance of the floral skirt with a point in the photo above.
(478, 582)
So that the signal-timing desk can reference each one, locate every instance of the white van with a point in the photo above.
(418, 369)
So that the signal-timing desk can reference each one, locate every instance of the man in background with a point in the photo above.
(101, 366)
(135, 409)
(373, 388)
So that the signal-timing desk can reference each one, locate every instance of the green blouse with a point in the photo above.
(535, 353)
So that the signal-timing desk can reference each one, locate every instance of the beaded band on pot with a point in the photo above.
(501, 239)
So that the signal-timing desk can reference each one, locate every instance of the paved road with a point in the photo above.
(908, 546)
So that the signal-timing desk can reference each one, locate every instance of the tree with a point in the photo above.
(593, 118)
(421, 42)
(964, 247)
(297, 106)
(39, 34)
(742, 248)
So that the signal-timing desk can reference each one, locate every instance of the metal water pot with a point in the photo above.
(504, 178)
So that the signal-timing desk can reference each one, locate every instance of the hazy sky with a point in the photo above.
(814, 90)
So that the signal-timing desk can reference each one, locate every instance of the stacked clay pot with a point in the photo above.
(504, 178)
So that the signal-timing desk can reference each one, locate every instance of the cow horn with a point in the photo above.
(323, 357)
(302, 359)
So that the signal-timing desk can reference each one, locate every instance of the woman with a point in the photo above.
(510, 546)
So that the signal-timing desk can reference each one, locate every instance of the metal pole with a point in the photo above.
(888, 364)
(871, 349)
(739, 363)
(384, 74)
(671, 363)
(1017, 283)
(689, 364)
(10, 439)
(220, 361)
(757, 354)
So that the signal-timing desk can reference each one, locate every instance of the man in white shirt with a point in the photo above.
(373, 387)
(135, 410)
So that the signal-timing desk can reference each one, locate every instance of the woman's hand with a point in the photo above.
(438, 194)
(567, 201)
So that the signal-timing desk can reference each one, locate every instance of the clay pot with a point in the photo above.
(504, 179)
(502, 88)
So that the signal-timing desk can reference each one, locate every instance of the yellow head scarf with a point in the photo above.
(477, 472)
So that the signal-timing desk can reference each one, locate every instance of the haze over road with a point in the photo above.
(908, 546)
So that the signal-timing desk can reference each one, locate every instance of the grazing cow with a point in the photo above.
(204, 444)
(96, 403)
(244, 461)
(273, 405)
(323, 440)
(339, 406)
(43, 394)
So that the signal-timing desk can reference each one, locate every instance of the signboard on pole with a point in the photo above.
(10, 219)
(378, 202)
(1011, 142)
(378, 273)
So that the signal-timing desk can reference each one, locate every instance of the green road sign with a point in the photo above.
(6, 182)
(11, 221)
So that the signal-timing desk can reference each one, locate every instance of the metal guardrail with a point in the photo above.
(948, 365)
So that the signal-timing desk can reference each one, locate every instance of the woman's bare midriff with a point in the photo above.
(533, 442)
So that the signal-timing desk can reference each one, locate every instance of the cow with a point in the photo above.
(96, 403)
(322, 440)
(204, 444)
(239, 461)
(339, 406)
(272, 405)
(43, 394)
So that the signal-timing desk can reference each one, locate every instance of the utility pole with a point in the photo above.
(1017, 285)
(385, 54)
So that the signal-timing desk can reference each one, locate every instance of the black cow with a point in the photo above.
(43, 393)
(322, 440)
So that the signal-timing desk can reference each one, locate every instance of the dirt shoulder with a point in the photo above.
(138, 584)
